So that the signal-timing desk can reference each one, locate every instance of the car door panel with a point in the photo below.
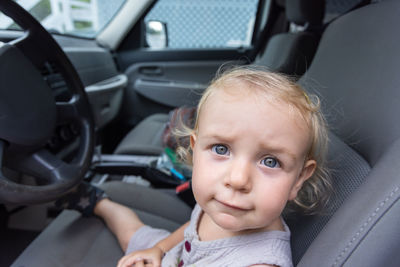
(129, 54)
(172, 79)
(174, 72)
(160, 86)
(169, 93)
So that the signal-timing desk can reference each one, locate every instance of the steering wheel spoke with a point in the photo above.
(53, 177)
(47, 167)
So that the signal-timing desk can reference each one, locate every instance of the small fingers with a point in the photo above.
(129, 260)
(148, 257)
(139, 262)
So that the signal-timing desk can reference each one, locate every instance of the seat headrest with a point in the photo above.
(358, 84)
(305, 11)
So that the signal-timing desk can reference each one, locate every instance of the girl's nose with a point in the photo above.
(239, 176)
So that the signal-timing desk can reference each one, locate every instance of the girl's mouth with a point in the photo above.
(231, 206)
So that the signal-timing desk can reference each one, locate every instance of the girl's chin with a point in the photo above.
(239, 226)
(231, 224)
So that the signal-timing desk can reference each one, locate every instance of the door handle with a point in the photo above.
(151, 71)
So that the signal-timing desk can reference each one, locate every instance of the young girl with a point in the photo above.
(258, 144)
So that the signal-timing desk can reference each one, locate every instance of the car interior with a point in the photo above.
(100, 109)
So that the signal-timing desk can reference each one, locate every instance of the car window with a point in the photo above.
(201, 24)
(84, 18)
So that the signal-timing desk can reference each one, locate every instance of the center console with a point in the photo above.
(135, 165)
(143, 170)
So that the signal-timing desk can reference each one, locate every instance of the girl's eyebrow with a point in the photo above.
(280, 151)
(213, 136)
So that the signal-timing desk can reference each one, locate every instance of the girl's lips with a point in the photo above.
(232, 206)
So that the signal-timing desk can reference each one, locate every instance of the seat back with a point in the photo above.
(292, 52)
(355, 73)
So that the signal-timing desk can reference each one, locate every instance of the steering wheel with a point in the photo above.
(29, 115)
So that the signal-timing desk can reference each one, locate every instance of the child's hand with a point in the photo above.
(148, 257)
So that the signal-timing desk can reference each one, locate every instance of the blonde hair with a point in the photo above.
(315, 192)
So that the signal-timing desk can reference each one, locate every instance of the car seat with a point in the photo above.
(355, 73)
(288, 53)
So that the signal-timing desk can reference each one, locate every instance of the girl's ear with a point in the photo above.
(306, 173)
(192, 140)
(192, 143)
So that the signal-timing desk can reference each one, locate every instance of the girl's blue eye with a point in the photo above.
(220, 149)
(270, 162)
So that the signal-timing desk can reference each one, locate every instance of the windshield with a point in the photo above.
(84, 18)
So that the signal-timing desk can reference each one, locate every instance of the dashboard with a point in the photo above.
(103, 83)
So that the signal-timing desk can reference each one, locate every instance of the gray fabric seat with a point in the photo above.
(355, 72)
(145, 138)
(357, 80)
(289, 53)
(343, 162)
(72, 240)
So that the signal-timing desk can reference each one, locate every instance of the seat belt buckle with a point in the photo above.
(183, 187)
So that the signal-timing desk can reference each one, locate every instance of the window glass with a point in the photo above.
(83, 18)
(206, 23)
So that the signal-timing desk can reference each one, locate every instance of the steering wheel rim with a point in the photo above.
(22, 145)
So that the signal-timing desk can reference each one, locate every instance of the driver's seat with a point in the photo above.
(356, 73)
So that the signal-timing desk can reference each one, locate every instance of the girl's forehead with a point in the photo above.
(252, 98)
(237, 90)
(241, 91)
